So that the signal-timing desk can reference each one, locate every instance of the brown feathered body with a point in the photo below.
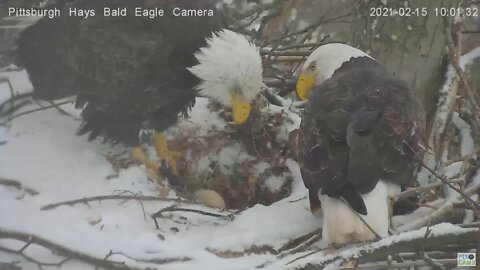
(128, 72)
(361, 131)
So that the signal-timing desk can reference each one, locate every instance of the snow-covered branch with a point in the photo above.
(69, 253)
(446, 208)
(17, 185)
(421, 240)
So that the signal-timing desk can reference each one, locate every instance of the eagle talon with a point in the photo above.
(170, 157)
(153, 168)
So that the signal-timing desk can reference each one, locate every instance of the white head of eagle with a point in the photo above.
(322, 63)
(230, 70)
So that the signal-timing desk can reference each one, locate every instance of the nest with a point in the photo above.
(244, 164)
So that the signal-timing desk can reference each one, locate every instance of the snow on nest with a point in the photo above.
(355, 252)
(42, 152)
(202, 120)
(206, 139)
(291, 121)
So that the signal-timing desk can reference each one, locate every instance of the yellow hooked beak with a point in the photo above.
(240, 108)
(305, 83)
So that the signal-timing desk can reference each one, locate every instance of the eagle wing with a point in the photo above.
(360, 126)
(129, 72)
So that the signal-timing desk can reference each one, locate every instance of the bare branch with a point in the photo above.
(413, 191)
(311, 45)
(62, 250)
(284, 53)
(446, 208)
(295, 242)
(467, 198)
(17, 185)
(55, 105)
(159, 213)
(86, 200)
(31, 259)
(407, 265)
(404, 242)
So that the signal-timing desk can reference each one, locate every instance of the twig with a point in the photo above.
(407, 265)
(304, 246)
(405, 242)
(63, 251)
(446, 208)
(299, 240)
(307, 45)
(377, 236)
(461, 158)
(13, 97)
(413, 191)
(467, 198)
(279, 82)
(112, 197)
(139, 201)
(17, 185)
(159, 213)
(31, 259)
(284, 53)
(297, 200)
(312, 26)
(434, 264)
(34, 110)
(151, 260)
(304, 256)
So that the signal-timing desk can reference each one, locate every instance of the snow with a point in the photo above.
(275, 183)
(17, 79)
(291, 120)
(466, 140)
(42, 152)
(5, 93)
(201, 122)
(333, 261)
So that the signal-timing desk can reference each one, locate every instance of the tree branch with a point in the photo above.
(17, 185)
(404, 242)
(446, 208)
(413, 191)
(462, 193)
(284, 53)
(407, 264)
(61, 250)
(176, 209)
(86, 200)
(54, 105)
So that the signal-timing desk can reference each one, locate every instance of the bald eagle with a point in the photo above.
(359, 140)
(132, 73)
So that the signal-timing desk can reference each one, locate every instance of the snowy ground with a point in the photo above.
(42, 152)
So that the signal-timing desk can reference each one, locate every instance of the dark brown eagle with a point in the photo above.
(132, 72)
(359, 141)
